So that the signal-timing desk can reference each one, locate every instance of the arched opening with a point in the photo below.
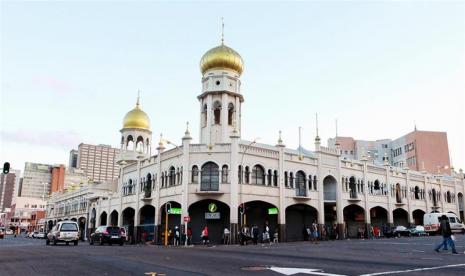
(329, 195)
(269, 176)
(210, 177)
(291, 180)
(211, 213)
(146, 231)
(148, 186)
(417, 192)
(418, 217)
(172, 177)
(224, 174)
(128, 222)
(195, 174)
(354, 218)
(114, 218)
(275, 178)
(240, 174)
(260, 213)
(217, 112)
(352, 187)
(103, 218)
(448, 197)
(461, 209)
(298, 218)
(140, 144)
(435, 198)
(400, 217)
(204, 115)
(247, 175)
(230, 114)
(258, 175)
(379, 217)
(300, 187)
(130, 143)
(174, 219)
(398, 194)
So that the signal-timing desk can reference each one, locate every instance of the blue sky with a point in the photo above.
(71, 70)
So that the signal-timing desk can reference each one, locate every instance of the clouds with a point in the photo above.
(57, 139)
(53, 83)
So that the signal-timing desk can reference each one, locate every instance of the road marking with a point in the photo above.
(413, 270)
(292, 271)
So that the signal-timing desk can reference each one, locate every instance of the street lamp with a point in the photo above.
(166, 222)
(242, 170)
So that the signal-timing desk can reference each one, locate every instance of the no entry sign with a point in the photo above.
(187, 219)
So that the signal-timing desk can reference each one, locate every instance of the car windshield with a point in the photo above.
(113, 230)
(68, 227)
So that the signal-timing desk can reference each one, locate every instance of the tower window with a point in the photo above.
(218, 82)
(230, 114)
(217, 112)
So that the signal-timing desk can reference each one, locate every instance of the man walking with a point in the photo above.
(446, 233)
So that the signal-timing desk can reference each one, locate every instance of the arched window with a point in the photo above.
(209, 177)
(309, 182)
(291, 180)
(162, 180)
(258, 175)
(166, 179)
(178, 176)
(130, 143)
(269, 175)
(417, 192)
(204, 115)
(224, 174)
(172, 178)
(195, 174)
(275, 178)
(315, 187)
(398, 193)
(247, 175)
(448, 197)
(352, 187)
(230, 114)
(140, 144)
(300, 184)
(286, 180)
(217, 112)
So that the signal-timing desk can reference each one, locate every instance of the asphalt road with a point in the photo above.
(406, 256)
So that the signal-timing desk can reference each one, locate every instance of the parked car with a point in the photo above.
(398, 231)
(34, 234)
(64, 231)
(432, 222)
(40, 235)
(30, 235)
(418, 231)
(108, 234)
(9, 232)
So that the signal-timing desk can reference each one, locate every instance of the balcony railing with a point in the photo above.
(301, 192)
(353, 194)
(329, 195)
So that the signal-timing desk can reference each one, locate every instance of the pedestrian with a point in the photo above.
(189, 235)
(255, 234)
(275, 236)
(315, 232)
(204, 235)
(266, 233)
(177, 236)
(376, 232)
(226, 235)
(446, 233)
(335, 233)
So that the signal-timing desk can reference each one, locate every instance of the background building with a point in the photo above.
(98, 161)
(63, 178)
(7, 188)
(417, 150)
(73, 159)
(22, 210)
(36, 180)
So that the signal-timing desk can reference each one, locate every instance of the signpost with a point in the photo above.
(187, 219)
(212, 215)
(272, 211)
(175, 211)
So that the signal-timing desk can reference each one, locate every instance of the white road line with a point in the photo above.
(295, 270)
(413, 270)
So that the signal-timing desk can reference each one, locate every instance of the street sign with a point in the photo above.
(212, 207)
(212, 215)
(273, 211)
(187, 219)
(174, 211)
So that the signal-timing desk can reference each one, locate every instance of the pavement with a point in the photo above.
(397, 256)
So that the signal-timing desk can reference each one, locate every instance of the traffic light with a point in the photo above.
(6, 168)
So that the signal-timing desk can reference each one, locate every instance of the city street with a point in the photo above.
(412, 256)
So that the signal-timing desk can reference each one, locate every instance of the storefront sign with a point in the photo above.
(273, 211)
(174, 211)
(212, 215)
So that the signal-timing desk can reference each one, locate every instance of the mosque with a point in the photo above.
(224, 181)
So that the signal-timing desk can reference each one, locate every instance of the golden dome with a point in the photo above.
(136, 118)
(222, 57)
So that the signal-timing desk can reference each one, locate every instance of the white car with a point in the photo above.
(9, 232)
(40, 235)
(65, 231)
(432, 222)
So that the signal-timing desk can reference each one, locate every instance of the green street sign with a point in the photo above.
(273, 211)
(174, 211)
(212, 207)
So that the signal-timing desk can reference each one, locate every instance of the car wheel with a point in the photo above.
(75, 243)
(101, 241)
(121, 243)
(54, 241)
(91, 241)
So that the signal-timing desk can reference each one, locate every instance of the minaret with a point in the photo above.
(220, 100)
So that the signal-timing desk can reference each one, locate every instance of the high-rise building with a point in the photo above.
(98, 161)
(62, 178)
(73, 159)
(37, 180)
(417, 150)
(7, 187)
(58, 178)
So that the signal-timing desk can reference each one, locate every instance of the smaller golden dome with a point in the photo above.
(222, 57)
(136, 118)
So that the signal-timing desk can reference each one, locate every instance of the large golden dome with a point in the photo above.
(136, 118)
(222, 57)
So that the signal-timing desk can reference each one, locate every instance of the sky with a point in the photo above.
(69, 71)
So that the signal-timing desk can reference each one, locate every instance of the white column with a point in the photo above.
(208, 127)
(234, 179)
(339, 206)
(224, 118)
(365, 193)
(442, 195)
(409, 205)
(390, 215)
(157, 187)
(138, 185)
(237, 109)
(185, 177)
(282, 188)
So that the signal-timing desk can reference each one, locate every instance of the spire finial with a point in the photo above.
(187, 128)
(415, 125)
(316, 119)
(222, 31)
(138, 97)
(336, 143)
(280, 141)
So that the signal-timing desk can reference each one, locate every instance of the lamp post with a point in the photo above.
(166, 222)
(242, 178)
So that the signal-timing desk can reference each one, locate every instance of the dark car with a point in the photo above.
(108, 234)
(398, 231)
